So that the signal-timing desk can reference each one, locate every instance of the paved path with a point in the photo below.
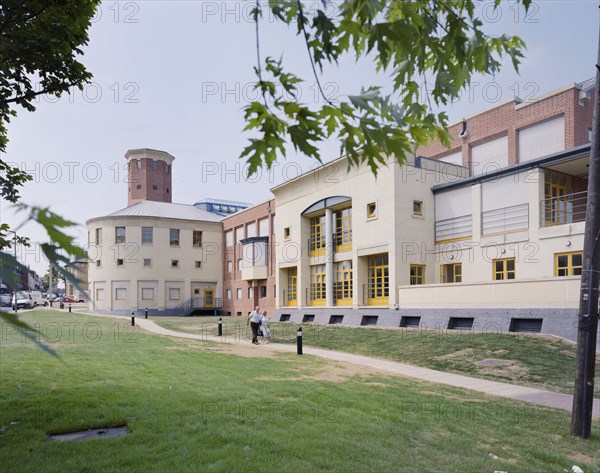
(511, 391)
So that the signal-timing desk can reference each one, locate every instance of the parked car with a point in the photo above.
(80, 297)
(22, 299)
(36, 297)
(5, 299)
(68, 300)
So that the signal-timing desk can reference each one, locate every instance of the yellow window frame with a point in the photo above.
(569, 269)
(343, 230)
(292, 287)
(504, 272)
(343, 283)
(417, 274)
(456, 273)
(317, 236)
(318, 288)
(378, 282)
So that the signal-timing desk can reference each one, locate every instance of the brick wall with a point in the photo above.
(233, 280)
(146, 177)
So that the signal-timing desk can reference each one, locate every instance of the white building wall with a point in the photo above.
(541, 139)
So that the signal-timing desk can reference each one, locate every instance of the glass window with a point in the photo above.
(229, 266)
(263, 227)
(451, 273)
(147, 235)
(417, 274)
(239, 234)
(98, 236)
(251, 230)
(229, 238)
(240, 264)
(139, 164)
(372, 210)
(198, 264)
(154, 164)
(147, 294)
(197, 238)
(317, 284)
(417, 207)
(286, 233)
(119, 234)
(316, 242)
(342, 293)
(174, 237)
(98, 263)
(228, 293)
(154, 187)
(174, 293)
(120, 262)
(147, 262)
(239, 293)
(292, 286)
(174, 263)
(568, 264)
(503, 269)
(263, 292)
(121, 294)
(378, 281)
(343, 230)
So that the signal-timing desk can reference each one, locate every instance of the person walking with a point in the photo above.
(254, 322)
(264, 326)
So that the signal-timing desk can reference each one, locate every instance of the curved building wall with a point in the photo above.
(130, 274)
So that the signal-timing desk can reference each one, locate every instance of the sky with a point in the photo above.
(175, 76)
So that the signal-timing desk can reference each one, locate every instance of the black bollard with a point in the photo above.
(132, 320)
(299, 340)
(146, 313)
(69, 308)
(220, 327)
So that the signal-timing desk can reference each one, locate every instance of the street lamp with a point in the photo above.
(15, 271)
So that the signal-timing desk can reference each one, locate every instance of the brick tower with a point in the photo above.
(148, 175)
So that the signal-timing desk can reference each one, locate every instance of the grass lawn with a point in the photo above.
(196, 407)
(530, 360)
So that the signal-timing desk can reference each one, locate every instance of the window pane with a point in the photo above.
(174, 237)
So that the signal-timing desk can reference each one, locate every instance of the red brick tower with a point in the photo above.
(148, 175)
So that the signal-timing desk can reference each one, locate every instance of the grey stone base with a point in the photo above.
(560, 322)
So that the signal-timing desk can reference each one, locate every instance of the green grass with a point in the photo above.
(193, 407)
(532, 360)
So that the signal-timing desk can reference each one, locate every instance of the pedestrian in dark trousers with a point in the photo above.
(254, 321)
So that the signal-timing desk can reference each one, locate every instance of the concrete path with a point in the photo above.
(511, 391)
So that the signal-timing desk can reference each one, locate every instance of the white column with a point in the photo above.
(329, 230)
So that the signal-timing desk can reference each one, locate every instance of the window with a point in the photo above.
(119, 234)
(197, 238)
(342, 293)
(154, 187)
(168, 169)
(317, 285)
(147, 235)
(263, 292)
(98, 236)
(229, 266)
(119, 261)
(147, 294)
(229, 238)
(292, 287)
(250, 293)
(417, 274)
(228, 294)
(121, 294)
(316, 244)
(239, 293)
(138, 187)
(139, 164)
(167, 190)
(98, 263)
(558, 202)
(239, 234)
(263, 227)
(503, 269)
(198, 264)
(343, 230)
(240, 264)
(147, 262)
(174, 237)
(378, 280)
(174, 263)
(417, 207)
(568, 264)
(154, 164)
(451, 273)
(251, 230)
(100, 294)
(286, 233)
(372, 210)
(174, 293)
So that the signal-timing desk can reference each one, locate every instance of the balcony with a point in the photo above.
(505, 220)
(564, 209)
(255, 252)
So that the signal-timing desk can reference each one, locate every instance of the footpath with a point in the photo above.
(493, 388)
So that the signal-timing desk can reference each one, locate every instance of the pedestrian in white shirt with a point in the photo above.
(254, 322)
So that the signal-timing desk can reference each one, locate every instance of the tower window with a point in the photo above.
(167, 190)
(154, 164)
(138, 187)
(154, 187)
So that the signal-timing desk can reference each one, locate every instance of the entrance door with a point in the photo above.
(209, 298)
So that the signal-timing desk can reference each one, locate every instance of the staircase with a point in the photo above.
(199, 306)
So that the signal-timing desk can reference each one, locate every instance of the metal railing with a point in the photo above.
(568, 208)
(199, 303)
(507, 219)
(454, 228)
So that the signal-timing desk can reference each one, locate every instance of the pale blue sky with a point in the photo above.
(175, 75)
